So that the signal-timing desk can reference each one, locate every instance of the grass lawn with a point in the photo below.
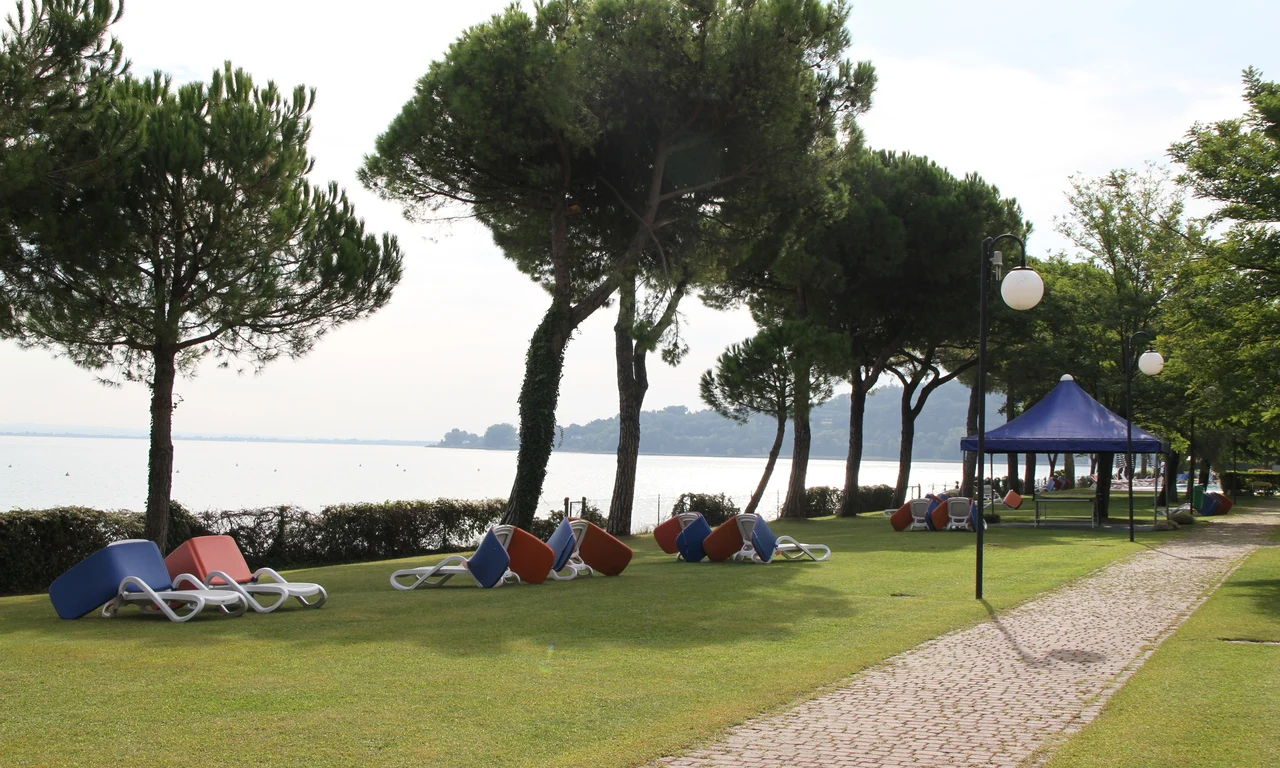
(597, 672)
(1200, 701)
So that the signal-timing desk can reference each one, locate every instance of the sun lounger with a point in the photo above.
(487, 566)
(726, 540)
(599, 550)
(132, 571)
(919, 514)
(564, 543)
(668, 530)
(959, 514)
(760, 544)
(218, 563)
(689, 542)
(529, 557)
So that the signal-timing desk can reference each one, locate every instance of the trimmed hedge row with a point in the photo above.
(36, 546)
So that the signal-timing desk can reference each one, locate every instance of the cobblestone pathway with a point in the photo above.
(994, 694)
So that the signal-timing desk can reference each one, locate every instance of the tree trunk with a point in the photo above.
(852, 465)
(768, 467)
(633, 383)
(905, 448)
(972, 462)
(160, 458)
(1205, 466)
(539, 395)
(1169, 494)
(1011, 470)
(1029, 475)
(1106, 463)
(1069, 468)
(795, 503)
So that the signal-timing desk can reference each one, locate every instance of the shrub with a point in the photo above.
(872, 498)
(37, 546)
(991, 517)
(823, 500)
(1165, 525)
(1183, 518)
(716, 508)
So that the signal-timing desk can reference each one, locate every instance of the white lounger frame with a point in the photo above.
(282, 588)
(919, 514)
(788, 547)
(453, 565)
(574, 564)
(958, 520)
(152, 601)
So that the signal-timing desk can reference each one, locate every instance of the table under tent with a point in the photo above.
(1068, 420)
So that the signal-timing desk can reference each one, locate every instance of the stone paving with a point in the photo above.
(1004, 692)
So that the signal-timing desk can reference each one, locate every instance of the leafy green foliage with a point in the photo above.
(822, 500)
(715, 507)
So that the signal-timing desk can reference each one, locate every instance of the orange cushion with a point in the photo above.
(1012, 500)
(603, 552)
(531, 558)
(666, 534)
(902, 518)
(723, 541)
(940, 517)
(202, 554)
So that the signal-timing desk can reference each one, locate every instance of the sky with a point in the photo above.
(1026, 94)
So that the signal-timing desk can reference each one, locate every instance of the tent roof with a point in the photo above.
(1066, 419)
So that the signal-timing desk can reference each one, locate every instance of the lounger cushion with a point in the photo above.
(766, 543)
(723, 541)
(530, 557)
(690, 540)
(96, 579)
(202, 554)
(938, 517)
(604, 553)
(665, 534)
(901, 519)
(489, 564)
(1012, 500)
(1209, 505)
(562, 543)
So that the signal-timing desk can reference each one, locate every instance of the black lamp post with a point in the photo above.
(1150, 363)
(1021, 289)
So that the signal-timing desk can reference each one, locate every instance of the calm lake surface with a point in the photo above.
(107, 473)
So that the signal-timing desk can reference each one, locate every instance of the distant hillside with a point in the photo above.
(677, 430)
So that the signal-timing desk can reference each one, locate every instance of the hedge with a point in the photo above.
(716, 508)
(36, 546)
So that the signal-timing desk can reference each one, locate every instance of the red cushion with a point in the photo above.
(666, 534)
(901, 519)
(723, 541)
(603, 552)
(1012, 500)
(203, 554)
(531, 558)
(940, 517)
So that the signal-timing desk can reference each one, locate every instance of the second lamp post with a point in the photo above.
(1149, 363)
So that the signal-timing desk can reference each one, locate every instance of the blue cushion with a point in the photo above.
(763, 540)
(1209, 505)
(933, 504)
(974, 515)
(490, 561)
(690, 540)
(96, 579)
(562, 543)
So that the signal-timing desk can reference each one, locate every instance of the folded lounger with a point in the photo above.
(689, 542)
(668, 530)
(488, 566)
(132, 571)
(218, 562)
(529, 557)
(960, 511)
(919, 511)
(564, 544)
(597, 549)
(760, 543)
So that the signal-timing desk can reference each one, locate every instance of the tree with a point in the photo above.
(758, 376)
(501, 437)
(593, 135)
(210, 242)
(56, 65)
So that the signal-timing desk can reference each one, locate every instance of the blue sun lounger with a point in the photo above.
(488, 566)
(132, 571)
(690, 540)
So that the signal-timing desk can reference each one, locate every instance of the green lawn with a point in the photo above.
(1200, 701)
(595, 672)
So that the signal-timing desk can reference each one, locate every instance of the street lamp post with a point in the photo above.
(1150, 363)
(1021, 289)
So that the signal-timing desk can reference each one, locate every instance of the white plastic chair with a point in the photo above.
(919, 514)
(958, 514)
(157, 601)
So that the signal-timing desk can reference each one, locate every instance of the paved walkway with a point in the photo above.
(994, 694)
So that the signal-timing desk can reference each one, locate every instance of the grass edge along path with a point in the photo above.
(596, 672)
(1199, 700)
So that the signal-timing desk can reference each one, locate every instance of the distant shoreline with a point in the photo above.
(422, 443)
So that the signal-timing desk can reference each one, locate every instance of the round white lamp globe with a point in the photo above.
(1022, 288)
(1151, 363)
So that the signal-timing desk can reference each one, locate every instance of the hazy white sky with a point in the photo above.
(1024, 93)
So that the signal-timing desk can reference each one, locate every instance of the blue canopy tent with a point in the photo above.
(1067, 420)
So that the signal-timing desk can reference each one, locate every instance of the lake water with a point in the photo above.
(105, 473)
